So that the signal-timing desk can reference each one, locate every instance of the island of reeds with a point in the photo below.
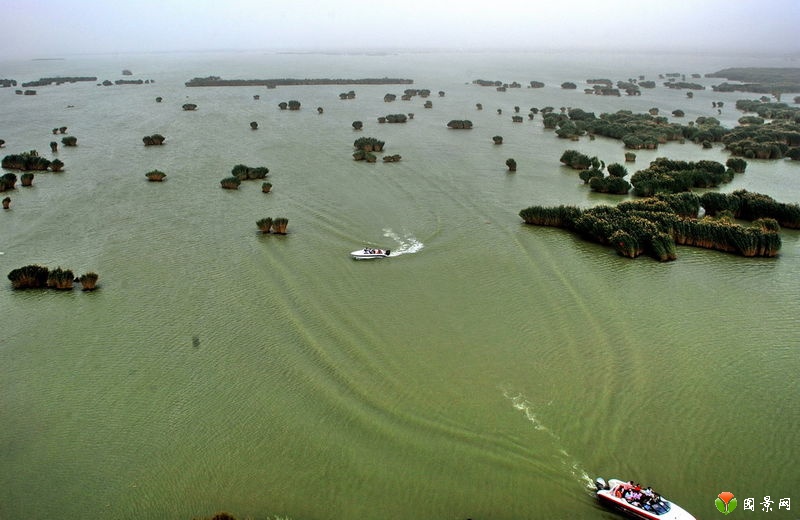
(772, 133)
(655, 225)
(40, 277)
(766, 80)
(216, 81)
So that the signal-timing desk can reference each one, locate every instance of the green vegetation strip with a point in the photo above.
(656, 224)
(216, 81)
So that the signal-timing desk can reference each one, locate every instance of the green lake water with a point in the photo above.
(488, 370)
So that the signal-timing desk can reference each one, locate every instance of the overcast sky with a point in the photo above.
(55, 28)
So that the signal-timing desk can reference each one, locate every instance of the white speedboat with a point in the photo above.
(631, 499)
(369, 253)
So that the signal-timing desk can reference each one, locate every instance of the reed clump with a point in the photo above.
(274, 225)
(60, 279)
(655, 225)
(36, 276)
(368, 144)
(155, 176)
(747, 205)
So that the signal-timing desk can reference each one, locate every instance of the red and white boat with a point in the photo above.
(632, 500)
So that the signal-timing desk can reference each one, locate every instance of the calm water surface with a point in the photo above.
(489, 370)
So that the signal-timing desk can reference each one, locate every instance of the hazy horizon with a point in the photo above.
(48, 29)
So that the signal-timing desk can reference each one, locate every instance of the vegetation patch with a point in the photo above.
(756, 139)
(670, 176)
(460, 124)
(746, 205)
(655, 225)
(768, 80)
(153, 140)
(39, 277)
(26, 161)
(274, 225)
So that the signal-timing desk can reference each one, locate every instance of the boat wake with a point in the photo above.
(408, 244)
(521, 403)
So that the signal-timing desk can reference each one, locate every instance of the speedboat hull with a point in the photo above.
(370, 254)
(613, 495)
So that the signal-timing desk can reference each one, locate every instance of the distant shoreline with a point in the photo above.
(216, 81)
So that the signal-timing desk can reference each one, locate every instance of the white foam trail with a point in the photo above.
(521, 403)
(408, 244)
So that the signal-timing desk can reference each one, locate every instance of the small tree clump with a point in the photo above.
(512, 165)
(460, 124)
(7, 181)
(155, 176)
(576, 160)
(737, 164)
(279, 225)
(153, 140)
(89, 281)
(60, 279)
(617, 170)
(56, 166)
(70, 140)
(248, 173)
(266, 187)
(368, 144)
(29, 277)
(230, 183)
(25, 161)
(264, 224)
(396, 118)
